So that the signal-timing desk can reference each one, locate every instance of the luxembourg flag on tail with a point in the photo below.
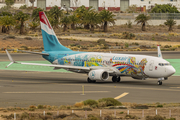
(50, 41)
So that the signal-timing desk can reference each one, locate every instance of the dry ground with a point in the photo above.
(114, 113)
(84, 40)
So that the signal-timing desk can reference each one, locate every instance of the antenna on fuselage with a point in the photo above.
(159, 52)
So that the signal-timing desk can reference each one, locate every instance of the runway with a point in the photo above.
(22, 89)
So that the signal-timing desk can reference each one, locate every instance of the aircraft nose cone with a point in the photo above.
(171, 71)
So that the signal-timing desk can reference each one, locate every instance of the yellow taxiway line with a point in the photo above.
(122, 95)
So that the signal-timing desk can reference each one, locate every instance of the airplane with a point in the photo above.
(98, 66)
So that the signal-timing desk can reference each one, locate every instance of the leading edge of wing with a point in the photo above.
(57, 66)
(70, 67)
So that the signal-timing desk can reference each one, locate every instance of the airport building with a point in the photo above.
(113, 5)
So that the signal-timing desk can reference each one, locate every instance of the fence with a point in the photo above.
(102, 113)
(154, 16)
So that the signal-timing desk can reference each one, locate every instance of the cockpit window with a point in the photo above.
(164, 64)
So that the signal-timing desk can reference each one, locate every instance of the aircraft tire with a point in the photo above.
(118, 79)
(114, 79)
(159, 82)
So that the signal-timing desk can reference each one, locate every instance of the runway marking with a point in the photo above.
(140, 88)
(174, 87)
(122, 95)
(54, 92)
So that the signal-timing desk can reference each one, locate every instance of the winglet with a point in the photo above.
(10, 58)
(159, 52)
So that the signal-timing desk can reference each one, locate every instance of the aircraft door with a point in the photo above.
(151, 65)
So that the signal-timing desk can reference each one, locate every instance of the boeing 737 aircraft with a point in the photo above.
(99, 66)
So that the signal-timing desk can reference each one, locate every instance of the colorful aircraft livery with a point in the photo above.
(99, 66)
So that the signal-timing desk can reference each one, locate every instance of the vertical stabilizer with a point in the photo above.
(159, 52)
(50, 40)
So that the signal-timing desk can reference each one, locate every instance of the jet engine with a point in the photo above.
(98, 75)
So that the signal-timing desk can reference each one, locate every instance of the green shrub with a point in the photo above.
(72, 45)
(90, 102)
(101, 41)
(126, 45)
(110, 101)
(127, 35)
(23, 7)
(160, 105)
(131, 117)
(92, 117)
(48, 113)
(139, 106)
(121, 112)
(157, 117)
(40, 106)
(171, 119)
(167, 46)
(31, 109)
(62, 107)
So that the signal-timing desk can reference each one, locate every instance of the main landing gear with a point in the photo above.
(159, 82)
(90, 81)
(116, 79)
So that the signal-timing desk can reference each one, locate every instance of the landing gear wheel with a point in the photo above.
(114, 79)
(159, 82)
(91, 81)
(118, 79)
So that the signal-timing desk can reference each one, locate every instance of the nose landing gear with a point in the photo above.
(116, 79)
(159, 82)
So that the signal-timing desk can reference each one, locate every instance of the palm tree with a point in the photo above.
(35, 14)
(74, 20)
(54, 14)
(32, 2)
(9, 2)
(82, 12)
(105, 17)
(21, 18)
(170, 23)
(142, 18)
(65, 21)
(92, 18)
(6, 22)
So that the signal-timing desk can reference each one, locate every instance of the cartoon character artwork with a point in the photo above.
(131, 67)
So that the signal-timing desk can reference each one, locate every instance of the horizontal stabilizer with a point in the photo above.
(10, 58)
(38, 53)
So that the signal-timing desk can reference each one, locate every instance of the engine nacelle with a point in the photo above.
(98, 75)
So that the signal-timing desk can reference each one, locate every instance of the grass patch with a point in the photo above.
(90, 102)
(156, 117)
(109, 102)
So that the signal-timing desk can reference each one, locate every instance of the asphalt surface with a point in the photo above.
(21, 88)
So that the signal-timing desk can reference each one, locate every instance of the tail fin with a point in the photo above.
(50, 40)
(159, 52)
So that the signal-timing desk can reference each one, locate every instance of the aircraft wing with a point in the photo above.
(109, 70)
(56, 66)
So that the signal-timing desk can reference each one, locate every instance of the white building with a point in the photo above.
(114, 5)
